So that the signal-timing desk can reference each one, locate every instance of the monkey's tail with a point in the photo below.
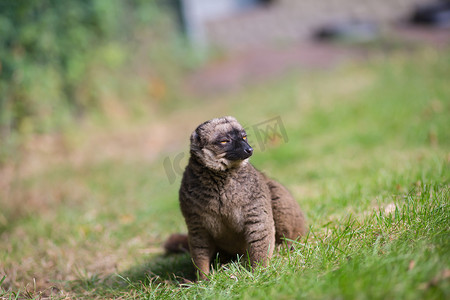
(177, 243)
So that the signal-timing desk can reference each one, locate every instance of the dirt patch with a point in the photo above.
(235, 71)
(262, 64)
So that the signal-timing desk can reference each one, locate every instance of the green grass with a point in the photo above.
(367, 157)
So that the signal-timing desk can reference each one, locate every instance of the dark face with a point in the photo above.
(234, 145)
(221, 144)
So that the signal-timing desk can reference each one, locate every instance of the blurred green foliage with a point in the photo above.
(58, 57)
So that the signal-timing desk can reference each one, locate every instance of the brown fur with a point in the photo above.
(177, 243)
(228, 205)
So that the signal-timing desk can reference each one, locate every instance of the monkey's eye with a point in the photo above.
(244, 137)
(223, 142)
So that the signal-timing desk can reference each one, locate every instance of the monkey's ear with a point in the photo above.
(195, 140)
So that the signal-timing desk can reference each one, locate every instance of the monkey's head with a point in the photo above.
(221, 144)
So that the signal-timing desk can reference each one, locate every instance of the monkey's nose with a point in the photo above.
(249, 150)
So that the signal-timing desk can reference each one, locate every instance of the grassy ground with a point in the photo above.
(365, 149)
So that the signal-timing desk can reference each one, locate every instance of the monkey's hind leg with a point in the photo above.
(288, 217)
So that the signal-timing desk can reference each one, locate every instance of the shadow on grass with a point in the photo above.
(170, 270)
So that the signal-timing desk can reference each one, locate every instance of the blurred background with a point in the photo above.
(98, 99)
(63, 64)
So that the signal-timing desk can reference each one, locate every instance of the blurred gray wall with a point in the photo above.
(239, 24)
